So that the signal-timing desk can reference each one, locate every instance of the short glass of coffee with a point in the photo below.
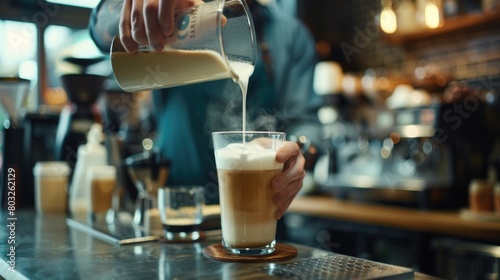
(101, 184)
(181, 212)
(246, 166)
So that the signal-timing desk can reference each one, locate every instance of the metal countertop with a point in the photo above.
(46, 247)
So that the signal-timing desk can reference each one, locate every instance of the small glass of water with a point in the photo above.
(181, 212)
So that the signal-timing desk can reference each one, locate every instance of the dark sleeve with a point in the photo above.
(103, 23)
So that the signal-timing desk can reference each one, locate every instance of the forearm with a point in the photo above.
(103, 23)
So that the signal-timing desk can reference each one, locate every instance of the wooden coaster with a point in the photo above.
(281, 252)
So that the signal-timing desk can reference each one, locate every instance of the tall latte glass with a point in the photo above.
(246, 166)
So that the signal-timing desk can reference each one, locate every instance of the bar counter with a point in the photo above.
(443, 222)
(46, 247)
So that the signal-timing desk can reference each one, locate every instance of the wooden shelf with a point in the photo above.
(469, 22)
(441, 222)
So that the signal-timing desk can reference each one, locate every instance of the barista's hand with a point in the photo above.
(287, 185)
(147, 22)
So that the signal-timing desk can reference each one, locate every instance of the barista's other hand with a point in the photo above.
(148, 22)
(287, 185)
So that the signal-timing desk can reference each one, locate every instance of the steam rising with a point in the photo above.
(225, 112)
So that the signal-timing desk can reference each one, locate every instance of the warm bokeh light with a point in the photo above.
(395, 137)
(388, 21)
(385, 152)
(323, 48)
(55, 96)
(432, 15)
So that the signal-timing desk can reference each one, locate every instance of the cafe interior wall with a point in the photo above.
(469, 55)
(462, 55)
(351, 29)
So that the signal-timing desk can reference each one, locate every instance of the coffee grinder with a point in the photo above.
(13, 91)
(78, 115)
(119, 111)
(149, 171)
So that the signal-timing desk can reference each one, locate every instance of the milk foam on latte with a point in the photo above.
(245, 172)
(248, 156)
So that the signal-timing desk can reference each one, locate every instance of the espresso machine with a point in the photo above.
(399, 160)
(78, 115)
(417, 156)
(13, 92)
